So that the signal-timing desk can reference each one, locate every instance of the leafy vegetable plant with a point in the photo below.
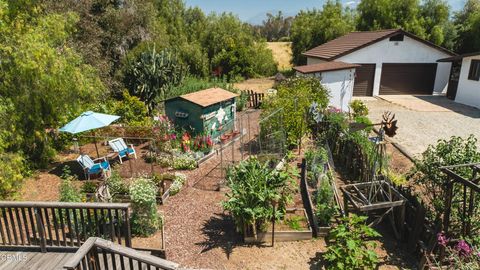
(351, 248)
(254, 187)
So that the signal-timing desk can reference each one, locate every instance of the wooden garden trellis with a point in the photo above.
(470, 189)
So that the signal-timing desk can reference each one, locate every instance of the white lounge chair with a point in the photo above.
(119, 146)
(94, 167)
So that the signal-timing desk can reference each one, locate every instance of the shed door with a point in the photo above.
(407, 79)
(364, 77)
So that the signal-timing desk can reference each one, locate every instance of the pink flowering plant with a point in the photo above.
(459, 254)
(202, 143)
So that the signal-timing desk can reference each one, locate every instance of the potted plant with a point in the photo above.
(223, 138)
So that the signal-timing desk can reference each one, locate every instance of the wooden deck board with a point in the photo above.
(29, 260)
(33, 260)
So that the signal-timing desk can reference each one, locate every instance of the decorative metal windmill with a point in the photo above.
(378, 196)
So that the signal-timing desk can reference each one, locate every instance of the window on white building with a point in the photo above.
(474, 73)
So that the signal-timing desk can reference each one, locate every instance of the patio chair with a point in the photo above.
(119, 146)
(94, 167)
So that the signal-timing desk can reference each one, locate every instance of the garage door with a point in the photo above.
(407, 79)
(364, 76)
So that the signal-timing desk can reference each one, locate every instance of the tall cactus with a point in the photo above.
(152, 74)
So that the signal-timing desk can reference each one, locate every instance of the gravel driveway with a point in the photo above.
(422, 120)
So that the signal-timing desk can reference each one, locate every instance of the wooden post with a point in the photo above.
(448, 206)
(128, 236)
(41, 230)
(273, 224)
(345, 204)
(152, 144)
(163, 234)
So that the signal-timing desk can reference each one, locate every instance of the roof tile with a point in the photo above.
(209, 96)
(327, 66)
(357, 40)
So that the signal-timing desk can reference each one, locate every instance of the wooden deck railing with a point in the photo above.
(97, 253)
(62, 225)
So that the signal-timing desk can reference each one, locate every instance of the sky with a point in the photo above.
(253, 11)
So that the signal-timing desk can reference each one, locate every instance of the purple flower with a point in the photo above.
(442, 239)
(463, 248)
(173, 136)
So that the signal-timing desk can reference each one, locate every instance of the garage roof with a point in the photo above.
(209, 96)
(458, 57)
(356, 40)
(327, 66)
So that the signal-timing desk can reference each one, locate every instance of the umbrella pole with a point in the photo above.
(95, 142)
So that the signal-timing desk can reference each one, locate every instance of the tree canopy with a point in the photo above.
(432, 20)
(44, 80)
(313, 27)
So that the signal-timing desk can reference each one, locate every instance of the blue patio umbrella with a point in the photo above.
(87, 121)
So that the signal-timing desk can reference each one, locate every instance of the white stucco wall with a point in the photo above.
(407, 51)
(468, 91)
(340, 85)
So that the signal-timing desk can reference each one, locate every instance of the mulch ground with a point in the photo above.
(199, 234)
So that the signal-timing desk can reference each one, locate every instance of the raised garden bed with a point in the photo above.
(284, 231)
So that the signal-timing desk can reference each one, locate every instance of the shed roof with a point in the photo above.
(209, 96)
(327, 66)
(356, 40)
(458, 57)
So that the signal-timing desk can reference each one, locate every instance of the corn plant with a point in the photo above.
(254, 187)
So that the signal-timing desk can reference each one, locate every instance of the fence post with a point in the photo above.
(128, 235)
(41, 230)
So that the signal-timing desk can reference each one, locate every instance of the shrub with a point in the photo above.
(426, 171)
(294, 97)
(89, 187)
(11, 173)
(351, 248)
(68, 191)
(358, 108)
(164, 160)
(241, 101)
(116, 185)
(184, 162)
(132, 111)
(178, 182)
(145, 218)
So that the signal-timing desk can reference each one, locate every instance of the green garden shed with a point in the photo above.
(210, 111)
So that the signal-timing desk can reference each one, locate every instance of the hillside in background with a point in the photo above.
(282, 54)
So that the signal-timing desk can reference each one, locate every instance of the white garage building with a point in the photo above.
(337, 77)
(392, 62)
(464, 82)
